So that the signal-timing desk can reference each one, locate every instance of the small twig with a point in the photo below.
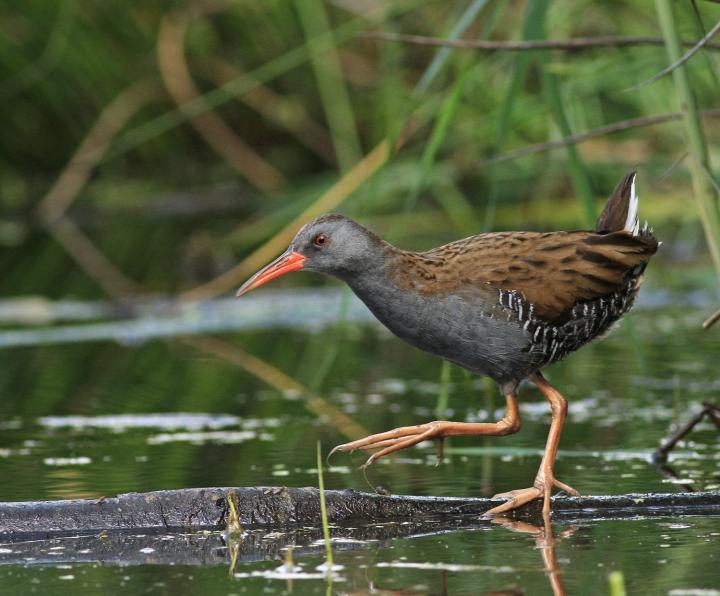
(573, 44)
(591, 134)
(673, 166)
(709, 410)
(92, 260)
(683, 59)
(703, 30)
(93, 147)
(667, 471)
(711, 320)
(713, 412)
(52, 207)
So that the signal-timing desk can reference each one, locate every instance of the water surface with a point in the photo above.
(138, 412)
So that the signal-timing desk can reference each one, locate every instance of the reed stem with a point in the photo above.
(323, 511)
(705, 193)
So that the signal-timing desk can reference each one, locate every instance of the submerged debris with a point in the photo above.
(710, 410)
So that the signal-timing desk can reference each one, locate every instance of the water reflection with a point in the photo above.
(462, 555)
(545, 543)
(106, 418)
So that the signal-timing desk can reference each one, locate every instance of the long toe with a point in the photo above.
(510, 494)
(392, 445)
(566, 487)
(541, 490)
(380, 440)
(518, 499)
(393, 440)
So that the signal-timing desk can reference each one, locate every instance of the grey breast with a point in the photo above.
(472, 329)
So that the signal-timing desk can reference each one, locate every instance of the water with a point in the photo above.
(138, 412)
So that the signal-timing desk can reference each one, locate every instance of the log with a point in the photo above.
(282, 507)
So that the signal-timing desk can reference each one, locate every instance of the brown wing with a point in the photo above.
(554, 271)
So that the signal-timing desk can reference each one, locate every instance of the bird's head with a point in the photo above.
(331, 244)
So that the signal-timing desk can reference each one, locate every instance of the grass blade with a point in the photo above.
(323, 511)
(447, 111)
(449, 107)
(616, 581)
(444, 394)
(245, 83)
(333, 92)
(519, 71)
(705, 193)
(553, 96)
(442, 56)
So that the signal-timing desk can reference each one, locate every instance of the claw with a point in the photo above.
(566, 487)
(337, 448)
(370, 460)
(329, 455)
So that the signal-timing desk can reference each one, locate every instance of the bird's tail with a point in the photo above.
(621, 210)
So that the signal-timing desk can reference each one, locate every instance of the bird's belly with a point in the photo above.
(479, 338)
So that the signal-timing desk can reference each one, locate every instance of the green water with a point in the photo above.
(95, 419)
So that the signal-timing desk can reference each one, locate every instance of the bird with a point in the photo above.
(501, 305)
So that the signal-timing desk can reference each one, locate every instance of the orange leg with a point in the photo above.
(545, 479)
(407, 436)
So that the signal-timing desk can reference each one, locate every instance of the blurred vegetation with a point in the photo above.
(174, 147)
(149, 147)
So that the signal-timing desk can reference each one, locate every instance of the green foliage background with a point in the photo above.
(309, 96)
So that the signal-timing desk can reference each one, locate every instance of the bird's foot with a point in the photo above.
(516, 498)
(397, 439)
(541, 489)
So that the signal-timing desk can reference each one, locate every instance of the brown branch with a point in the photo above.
(570, 45)
(93, 147)
(178, 81)
(591, 134)
(52, 207)
(682, 60)
(710, 410)
(283, 111)
(711, 320)
(113, 281)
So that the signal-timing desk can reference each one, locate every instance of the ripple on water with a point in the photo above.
(164, 420)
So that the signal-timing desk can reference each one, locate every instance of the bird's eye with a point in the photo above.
(320, 240)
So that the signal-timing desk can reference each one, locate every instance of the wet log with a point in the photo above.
(281, 507)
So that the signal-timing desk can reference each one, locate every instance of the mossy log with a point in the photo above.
(278, 507)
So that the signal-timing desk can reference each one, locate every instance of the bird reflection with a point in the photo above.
(375, 590)
(545, 543)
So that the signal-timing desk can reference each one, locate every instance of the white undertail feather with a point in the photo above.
(632, 223)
